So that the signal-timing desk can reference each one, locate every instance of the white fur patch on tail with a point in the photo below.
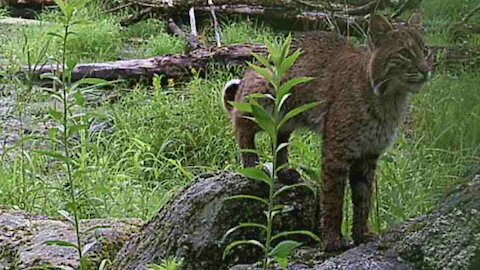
(228, 92)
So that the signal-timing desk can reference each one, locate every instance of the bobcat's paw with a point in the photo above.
(336, 245)
(364, 237)
(289, 177)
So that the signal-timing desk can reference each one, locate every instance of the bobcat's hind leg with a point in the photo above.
(245, 131)
(362, 177)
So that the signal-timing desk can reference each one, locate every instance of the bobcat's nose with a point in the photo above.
(425, 69)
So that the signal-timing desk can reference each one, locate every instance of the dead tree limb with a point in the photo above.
(171, 66)
(294, 14)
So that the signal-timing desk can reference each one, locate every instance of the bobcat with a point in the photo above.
(364, 95)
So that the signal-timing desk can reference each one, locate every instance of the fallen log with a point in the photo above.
(182, 66)
(27, 9)
(171, 66)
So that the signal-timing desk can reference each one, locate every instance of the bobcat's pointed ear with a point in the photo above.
(379, 26)
(415, 20)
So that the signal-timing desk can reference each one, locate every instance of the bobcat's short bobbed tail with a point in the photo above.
(229, 91)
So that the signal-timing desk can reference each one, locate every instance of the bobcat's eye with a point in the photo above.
(405, 54)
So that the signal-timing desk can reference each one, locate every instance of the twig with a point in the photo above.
(118, 8)
(193, 23)
(216, 26)
(136, 17)
(311, 5)
(193, 38)
(173, 28)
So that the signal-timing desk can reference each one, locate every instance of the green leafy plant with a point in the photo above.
(73, 122)
(275, 67)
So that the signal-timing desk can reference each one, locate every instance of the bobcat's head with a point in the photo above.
(398, 61)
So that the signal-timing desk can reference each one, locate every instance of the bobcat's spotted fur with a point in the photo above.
(364, 96)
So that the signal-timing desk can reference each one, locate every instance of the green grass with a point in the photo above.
(163, 136)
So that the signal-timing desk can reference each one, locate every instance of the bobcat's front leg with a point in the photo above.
(245, 131)
(334, 174)
(362, 177)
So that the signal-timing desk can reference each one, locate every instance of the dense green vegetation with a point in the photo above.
(155, 139)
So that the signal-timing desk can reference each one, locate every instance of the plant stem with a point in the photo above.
(65, 142)
(270, 216)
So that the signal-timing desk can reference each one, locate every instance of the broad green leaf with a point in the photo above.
(282, 262)
(264, 120)
(273, 213)
(75, 129)
(242, 242)
(282, 100)
(288, 62)
(243, 225)
(56, 115)
(299, 232)
(242, 106)
(61, 5)
(262, 60)
(284, 249)
(296, 112)
(69, 9)
(256, 174)
(79, 99)
(286, 87)
(286, 47)
(71, 63)
(290, 187)
(260, 96)
(265, 73)
(84, 263)
(247, 197)
(60, 243)
(273, 53)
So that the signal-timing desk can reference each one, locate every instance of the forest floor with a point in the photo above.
(146, 141)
